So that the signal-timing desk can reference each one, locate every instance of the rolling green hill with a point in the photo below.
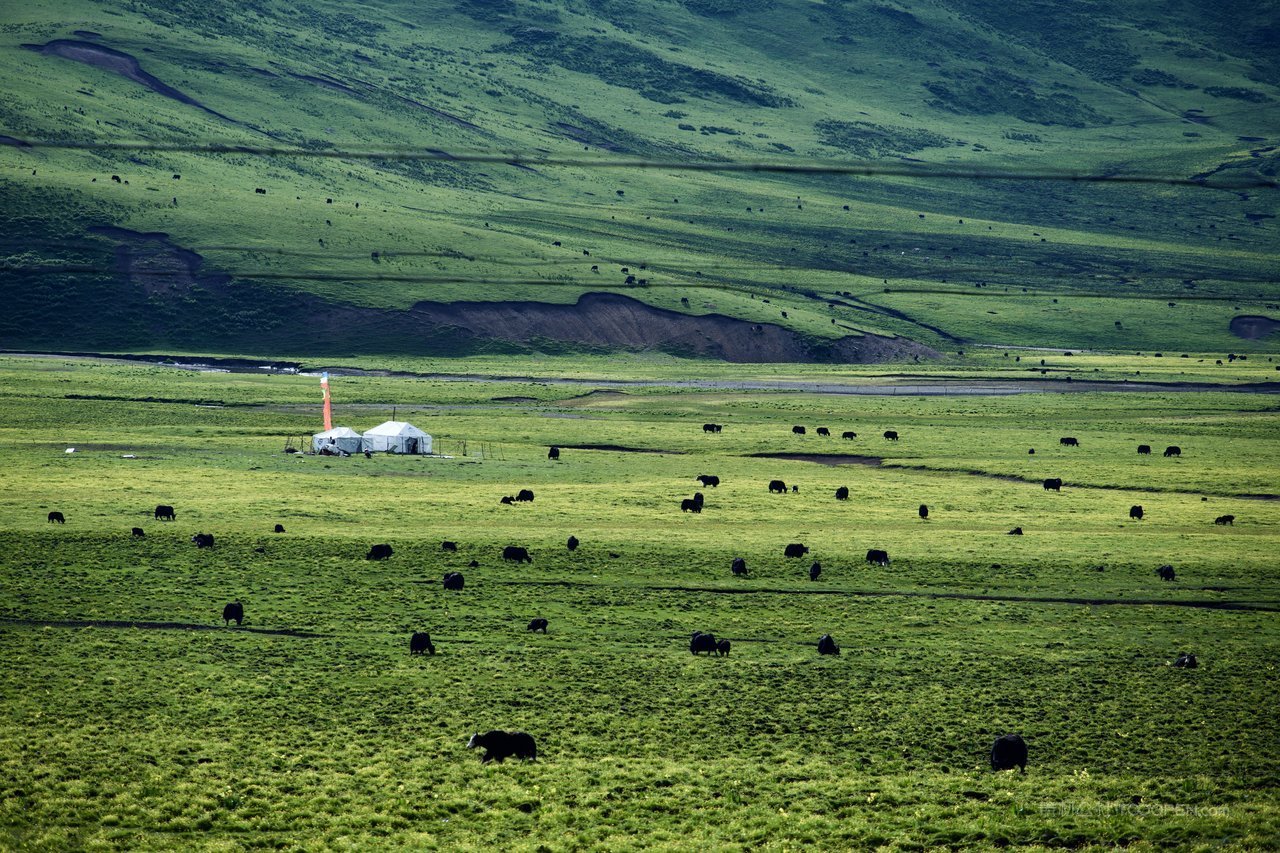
(430, 161)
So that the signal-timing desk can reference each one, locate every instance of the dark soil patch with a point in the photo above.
(822, 458)
(116, 62)
(1253, 327)
(16, 143)
(515, 399)
(152, 626)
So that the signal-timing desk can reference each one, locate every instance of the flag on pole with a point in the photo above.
(328, 415)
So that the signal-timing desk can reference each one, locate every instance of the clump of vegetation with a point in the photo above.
(993, 90)
(865, 139)
(1021, 136)
(622, 64)
(1238, 93)
(1156, 77)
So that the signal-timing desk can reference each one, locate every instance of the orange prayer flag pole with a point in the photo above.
(328, 414)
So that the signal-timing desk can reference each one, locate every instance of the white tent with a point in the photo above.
(342, 439)
(396, 437)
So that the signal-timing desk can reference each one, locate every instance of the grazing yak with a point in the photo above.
(164, 512)
(850, 435)
(454, 581)
(777, 487)
(1135, 512)
(379, 552)
(712, 427)
(698, 498)
(842, 493)
(1166, 573)
(1069, 441)
(1054, 483)
(572, 544)
(814, 571)
(517, 554)
(538, 624)
(1017, 531)
(525, 495)
(279, 528)
(1008, 752)
(891, 435)
(138, 532)
(1144, 450)
(827, 646)
(553, 453)
(1186, 661)
(878, 557)
(1173, 450)
(708, 480)
(507, 499)
(420, 643)
(739, 566)
(795, 490)
(690, 505)
(1225, 519)
(499, 746)
(448, 546)
(795, 549)
(233, 612)
(824, 431)
(203, 540)
(723, 647)
(924, 512)
(58, 517)
(701, 642)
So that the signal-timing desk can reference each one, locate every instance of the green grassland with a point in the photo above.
(132, 718)
(1135, 89)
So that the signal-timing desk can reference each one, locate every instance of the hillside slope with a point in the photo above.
(423, 154)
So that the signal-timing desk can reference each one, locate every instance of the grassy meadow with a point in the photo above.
(133, 718)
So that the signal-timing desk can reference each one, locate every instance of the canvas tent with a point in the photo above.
(342, 439)
(396, 437)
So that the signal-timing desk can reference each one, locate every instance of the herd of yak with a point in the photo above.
(1007, 752)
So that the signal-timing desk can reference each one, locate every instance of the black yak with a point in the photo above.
(878, 557)
(1166, 573)
(164, 512)
(448, 546)
(379, 552)
(798, 430)
(203, 540)
(814, 571)
(525, 495)
(1135, 512)
(1069, 441)
(1173, 450)
(1008, 752)
(553, 453)
(420, 643)
(138, 532)
(538, 624)
(233, 612)
(842, 493)
(1053, 483)
(499, 745)
(57, 516)
(723, 647)
(708, 480)
(739, 566)
(827, 646)
(777, 487)
(572, 544)
(1225, 519)
(516, 554)
(701, 642)
(795, 549)
(924, 512)
(454, 581)
(891, 435)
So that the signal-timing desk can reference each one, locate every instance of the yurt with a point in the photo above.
(396, 437)
(336, 441)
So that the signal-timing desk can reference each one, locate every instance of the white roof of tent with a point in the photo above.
(397, 428)
(338, 432)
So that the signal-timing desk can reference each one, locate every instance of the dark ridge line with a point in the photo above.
(617, 448)
(865, 169)
(872, 593)
(181, 626)
(1014, 478)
